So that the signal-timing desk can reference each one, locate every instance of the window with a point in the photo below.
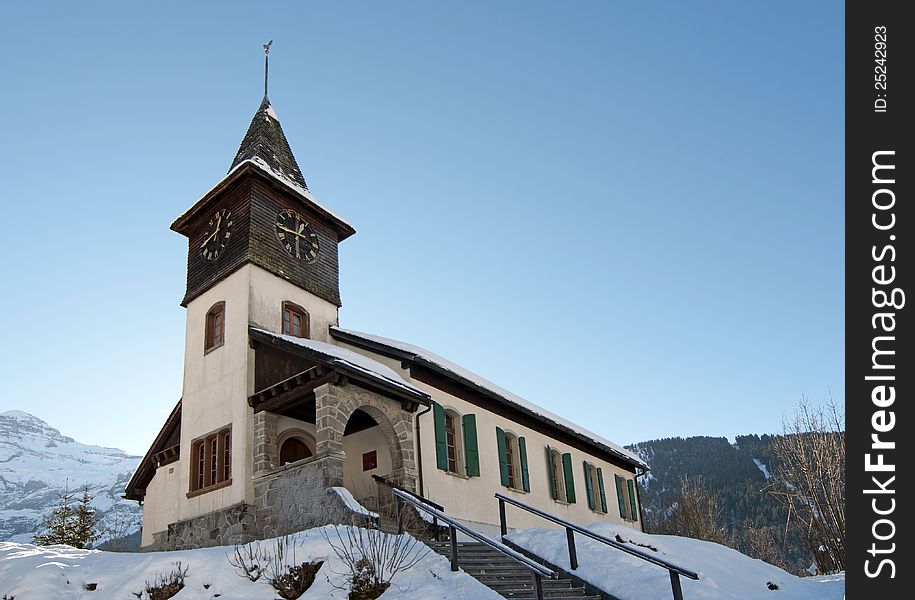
(295, 320)
(562, 489)
(293, 445)
(215, 327)
(594, 485)
(512, 461)
(456, 442)
(626, 496)
(451, 442)
(211, 464)
(292, 450)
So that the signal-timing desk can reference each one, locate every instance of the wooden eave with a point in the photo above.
(183, 223)
(433, 374)
(302, 385)
(136, 487)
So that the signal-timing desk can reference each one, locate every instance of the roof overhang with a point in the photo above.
(258, 168)
(329, 369)
(136, 487)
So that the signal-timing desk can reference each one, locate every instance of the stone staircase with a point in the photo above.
(507, 577)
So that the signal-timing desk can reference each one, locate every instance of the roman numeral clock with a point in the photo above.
(296, 235)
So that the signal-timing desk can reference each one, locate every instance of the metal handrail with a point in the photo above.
(537, 570)
(394, 486)
(571, 528)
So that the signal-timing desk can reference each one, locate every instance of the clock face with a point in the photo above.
(217, 234)
(296, 235)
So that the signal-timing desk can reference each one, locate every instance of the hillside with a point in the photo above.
(740, 475)
(36, 461)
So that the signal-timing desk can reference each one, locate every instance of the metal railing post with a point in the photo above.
(502, 523)
(537, 583)
(454, 557)
(400, 508)
(573, 555)
(675, 585)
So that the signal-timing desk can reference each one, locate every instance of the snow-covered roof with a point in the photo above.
(352, 361)
(421, 355)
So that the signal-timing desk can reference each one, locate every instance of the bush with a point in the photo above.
(166, 585)
(277, 565)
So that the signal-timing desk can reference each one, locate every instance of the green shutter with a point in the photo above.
(603, 494)
(567, 473)
(503, 464)
(525, 478)
(441, 445)
(588, 487)
(619, 495)
(635, 512)
(554, 485)
(470, 445)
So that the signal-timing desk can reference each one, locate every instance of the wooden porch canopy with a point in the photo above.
(164, 450)
(329, 364)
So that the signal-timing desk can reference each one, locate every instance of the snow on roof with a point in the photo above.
(460, 372)
(272, 112)
(353, 360)
(286, 181)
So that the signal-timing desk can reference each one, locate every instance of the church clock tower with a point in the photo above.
(262, 253)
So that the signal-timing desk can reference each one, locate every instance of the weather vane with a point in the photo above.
(266, 64)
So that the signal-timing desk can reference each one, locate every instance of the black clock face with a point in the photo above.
(217, 235)
(296, 236)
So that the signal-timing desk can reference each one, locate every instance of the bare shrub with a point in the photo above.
(372, 557)
(812, 457)
(277, 564)
(696, 513)
(166, 585)
(249, 560)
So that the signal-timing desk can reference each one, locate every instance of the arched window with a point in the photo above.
(456, 441)
(295, 320)
(215, 327)
(292, 450)
(294, 445)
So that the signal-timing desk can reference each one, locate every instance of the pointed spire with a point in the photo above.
(265, 140)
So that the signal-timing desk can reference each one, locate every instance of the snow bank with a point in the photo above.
(351, 502)
(60, 572)
(724, 574)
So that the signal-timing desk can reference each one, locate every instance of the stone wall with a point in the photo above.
(218, 528)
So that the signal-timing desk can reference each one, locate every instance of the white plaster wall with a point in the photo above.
(165, 488)
(268, 292)
(216, 391)
(471, 499)
(217, 385)
(357, 481)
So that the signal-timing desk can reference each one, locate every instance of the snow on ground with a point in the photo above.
(762, 467)
(724, 574)
(60, 572)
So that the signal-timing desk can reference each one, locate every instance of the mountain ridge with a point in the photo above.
(37, 462)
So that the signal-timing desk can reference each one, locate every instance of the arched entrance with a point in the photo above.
(367, 452)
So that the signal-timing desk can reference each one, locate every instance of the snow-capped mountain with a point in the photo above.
(36, 462)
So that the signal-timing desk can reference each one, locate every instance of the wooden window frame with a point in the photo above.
(215, 316)
(512, 456)
(595, 489)
(292, 309)
(211, 462)
(455, 445)
(557, 475)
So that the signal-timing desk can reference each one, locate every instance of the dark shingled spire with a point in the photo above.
(265, 140)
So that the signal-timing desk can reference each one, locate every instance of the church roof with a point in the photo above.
(420, 356)
(265, 140)
(356, 366)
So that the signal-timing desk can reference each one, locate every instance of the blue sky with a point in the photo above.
(628, 213)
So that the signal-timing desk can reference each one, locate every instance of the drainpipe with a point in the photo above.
(419, 451)
(638, 498)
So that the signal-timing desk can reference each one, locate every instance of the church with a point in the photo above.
(289, 420)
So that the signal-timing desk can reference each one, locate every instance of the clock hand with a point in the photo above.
(207, 241)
